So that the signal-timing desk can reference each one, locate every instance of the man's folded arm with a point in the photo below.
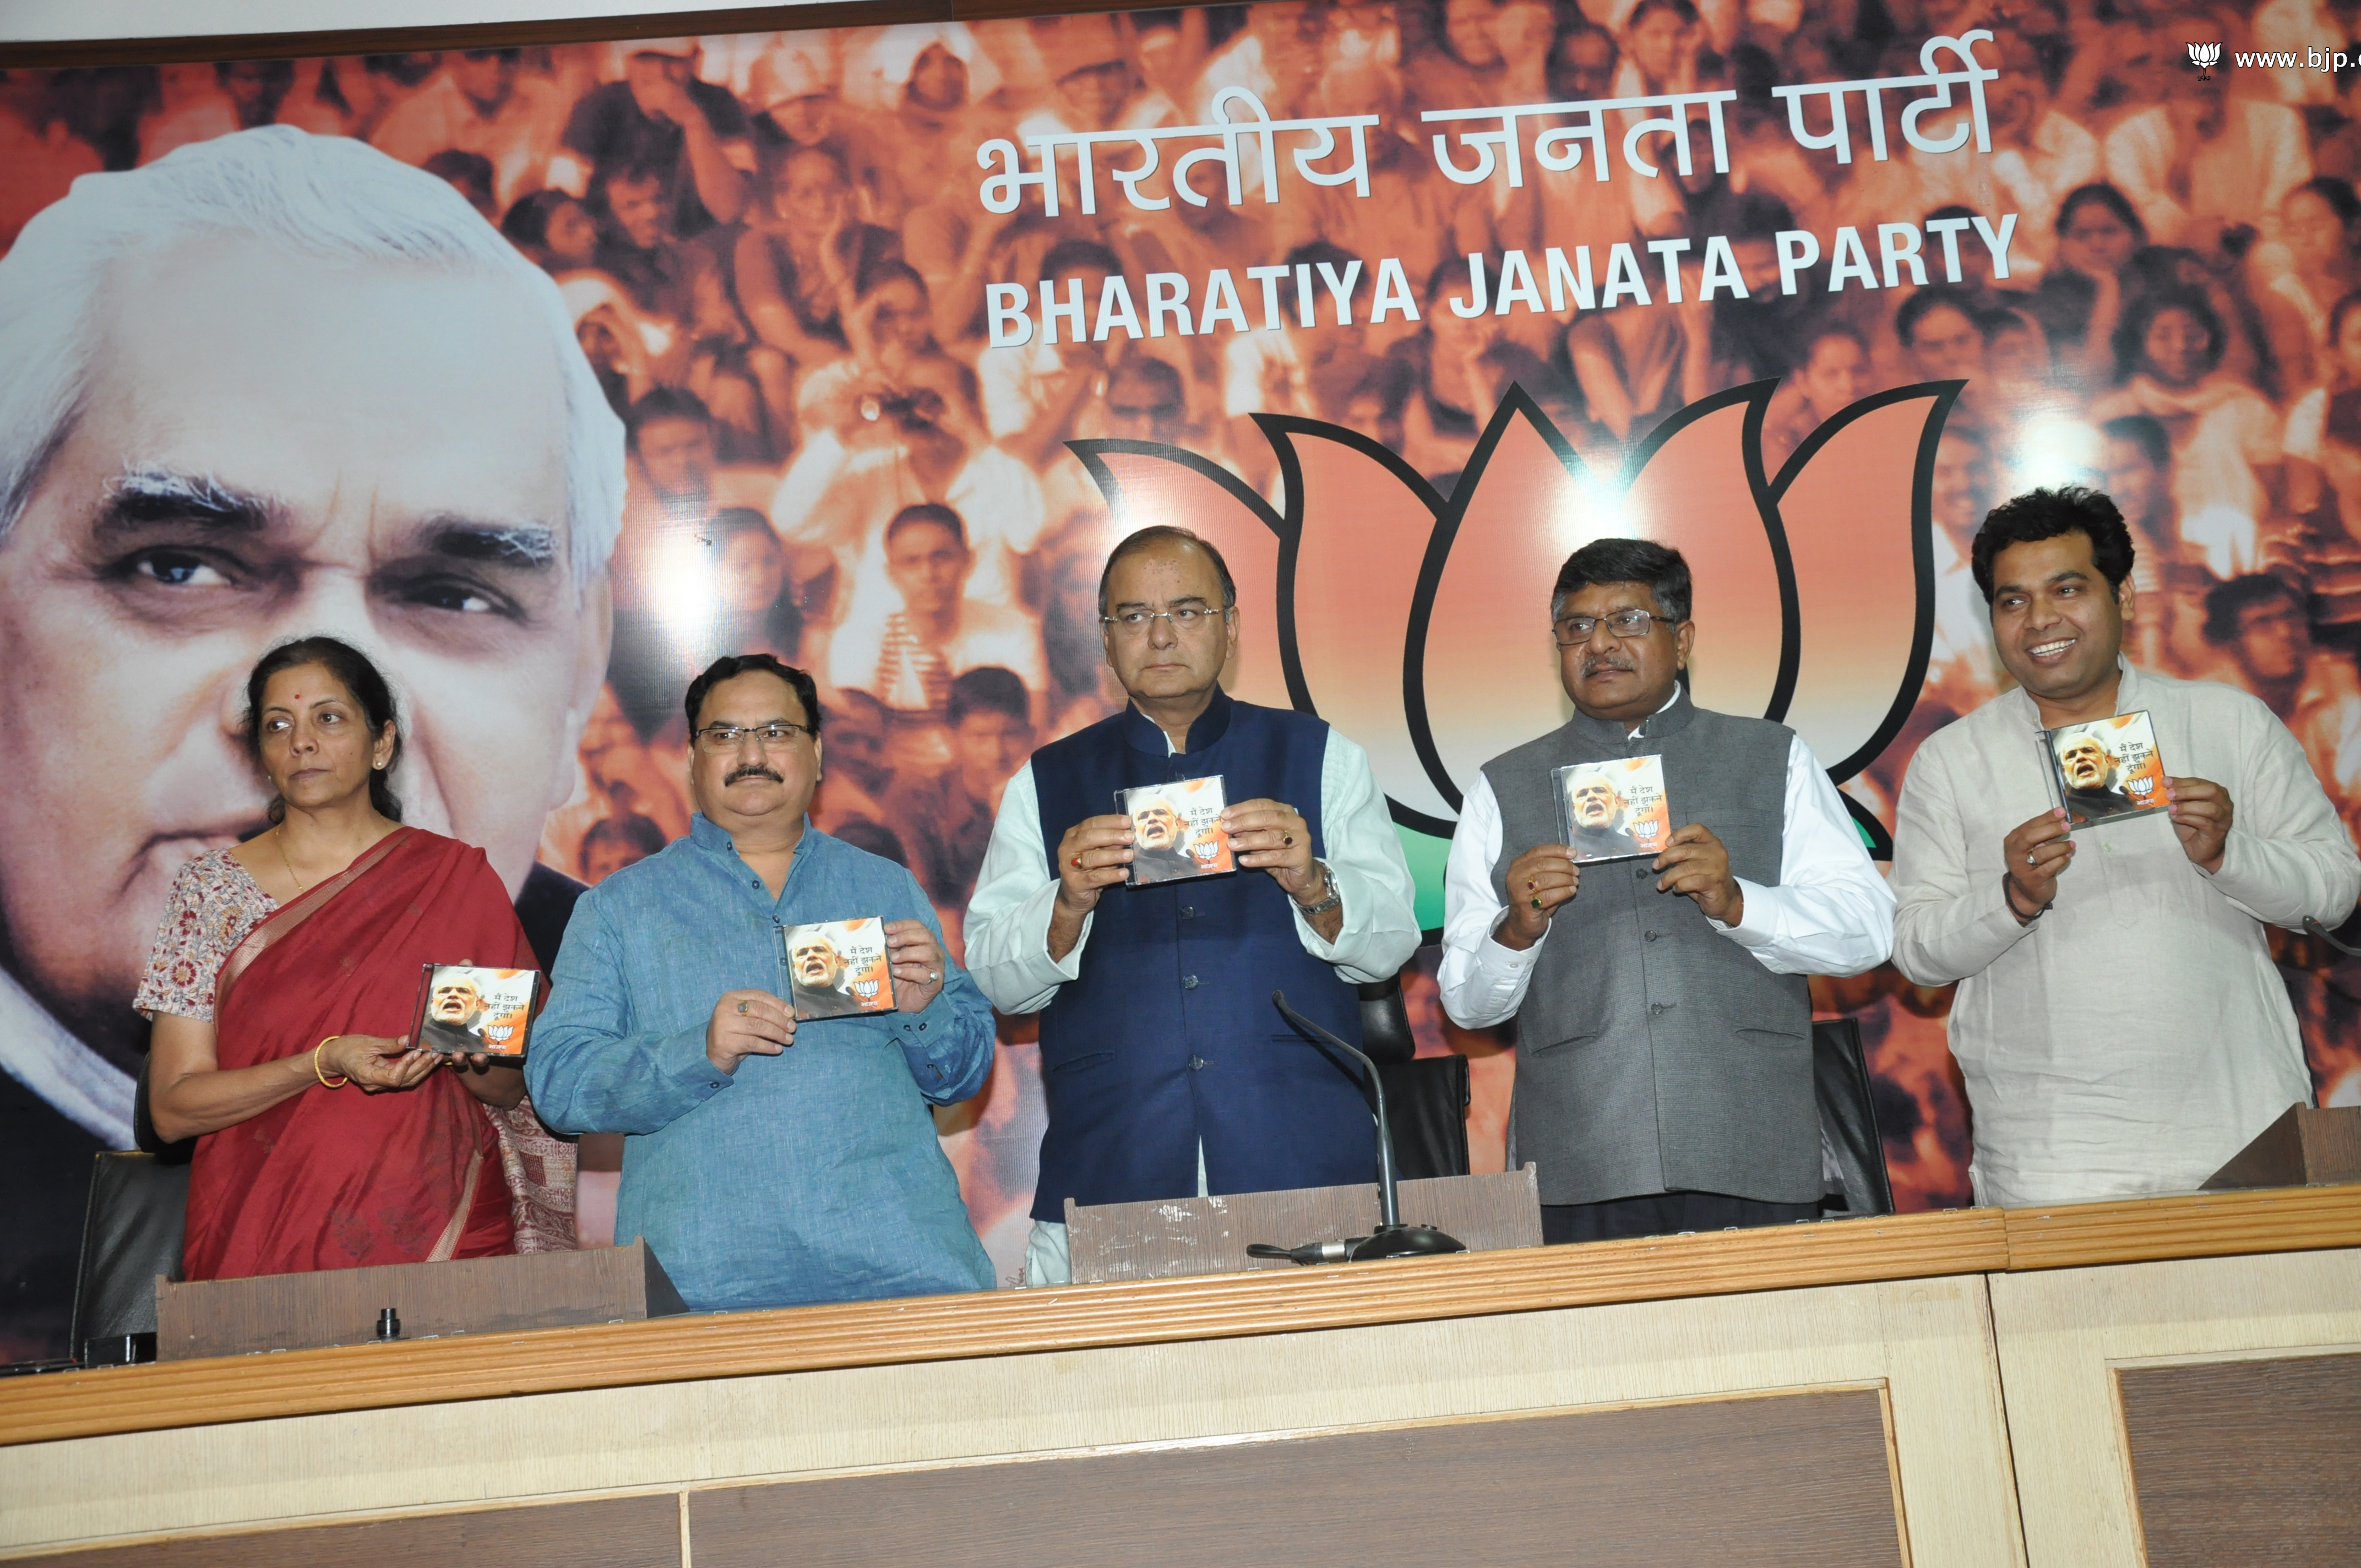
(587, 1073)
(2288, 857)
(1380, 921)
(1008, 917)
(1947, 926)
(1831, 913)
(1483, 983)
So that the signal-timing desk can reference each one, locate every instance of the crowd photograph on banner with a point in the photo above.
(900, 330)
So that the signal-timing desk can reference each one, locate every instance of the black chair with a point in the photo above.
(1426, 1097)
(131, 1233)
(1841, 1083)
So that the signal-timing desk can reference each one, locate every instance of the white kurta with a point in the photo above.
(2138, 1035)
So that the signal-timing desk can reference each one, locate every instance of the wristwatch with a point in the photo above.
(1333, 898)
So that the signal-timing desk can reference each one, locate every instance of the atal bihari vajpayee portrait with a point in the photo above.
(269, 385)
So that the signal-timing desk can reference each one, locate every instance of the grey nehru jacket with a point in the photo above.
(1653, 1054)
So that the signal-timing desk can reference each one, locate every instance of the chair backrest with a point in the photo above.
(1426, 1108)
(1841, 1083)
(1426, 1097)
(1385, 1022)
(131, 1233)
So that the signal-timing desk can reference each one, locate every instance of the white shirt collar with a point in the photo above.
(44, 1056)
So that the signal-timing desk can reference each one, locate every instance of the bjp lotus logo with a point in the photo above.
(2205, 57)
(1417, 622)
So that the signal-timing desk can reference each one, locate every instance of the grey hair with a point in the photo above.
(329, 197)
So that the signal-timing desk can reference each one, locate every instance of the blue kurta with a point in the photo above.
(810, 1176)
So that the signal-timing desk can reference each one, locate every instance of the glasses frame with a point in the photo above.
(1649, 622)
(698, 737)
(1214, 613)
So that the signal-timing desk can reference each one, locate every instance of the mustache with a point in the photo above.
(754, 771)
(1593, 663)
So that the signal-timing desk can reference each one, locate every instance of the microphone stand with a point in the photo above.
(1393, 1239)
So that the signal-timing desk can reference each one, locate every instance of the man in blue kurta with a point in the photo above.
(768, 1163)
(1165, 1068)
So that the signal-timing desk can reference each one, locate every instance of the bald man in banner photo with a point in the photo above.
(270, 385)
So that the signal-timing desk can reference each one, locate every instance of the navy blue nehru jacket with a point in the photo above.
(1168, 1038)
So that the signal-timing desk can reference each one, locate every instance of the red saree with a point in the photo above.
(336, 1179)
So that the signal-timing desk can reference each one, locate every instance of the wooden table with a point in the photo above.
(1970, 1386)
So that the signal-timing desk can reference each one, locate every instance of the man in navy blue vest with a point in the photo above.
(1167, 1070)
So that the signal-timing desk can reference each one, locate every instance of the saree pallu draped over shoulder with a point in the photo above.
(341, 1178)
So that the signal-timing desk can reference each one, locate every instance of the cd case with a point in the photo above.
(1614, 810)
(1176, 830)
(2105, 770)
(463, 1008)
(839, 969)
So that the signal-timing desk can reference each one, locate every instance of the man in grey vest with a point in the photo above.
(1663, 1020)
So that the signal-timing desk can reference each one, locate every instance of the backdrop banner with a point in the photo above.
(546, 374)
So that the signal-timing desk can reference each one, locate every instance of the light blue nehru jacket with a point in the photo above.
(810, 1176)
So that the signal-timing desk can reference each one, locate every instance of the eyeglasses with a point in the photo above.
(719, 737)
(1629, 625)
(1185, 618)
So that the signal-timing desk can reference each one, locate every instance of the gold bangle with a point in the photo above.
(341, 1078)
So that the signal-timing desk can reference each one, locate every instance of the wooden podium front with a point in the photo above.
(1171, 1237)
(477, 1295)
(2148, 1384)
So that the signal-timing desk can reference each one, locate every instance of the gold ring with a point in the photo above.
(742, 1008)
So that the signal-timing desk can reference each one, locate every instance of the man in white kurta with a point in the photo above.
(2119, 1023)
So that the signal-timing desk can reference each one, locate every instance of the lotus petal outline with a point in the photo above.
(1412, 621)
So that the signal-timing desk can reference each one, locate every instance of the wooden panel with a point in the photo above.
(2253, 1461)
(2064, 1334)
(1800, 1479)
(2209, 1225)
(2305, 1145)
(1179, 1237)
(479, 1295)
(612, 1533)
(1002, 1322)
(1925, 1340)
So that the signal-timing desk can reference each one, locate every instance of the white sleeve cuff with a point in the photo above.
(1753, 927)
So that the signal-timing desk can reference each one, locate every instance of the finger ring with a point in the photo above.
(2029, 858)
(1537, 904)
(932, 977)
(1287, 842)
(1078, 862)
(741, 1009)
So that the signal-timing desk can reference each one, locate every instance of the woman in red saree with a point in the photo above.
(283, 982)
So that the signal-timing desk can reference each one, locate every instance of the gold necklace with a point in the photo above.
(278, 837)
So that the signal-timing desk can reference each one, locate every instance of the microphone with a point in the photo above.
(1392, 1238)
(2311, 925)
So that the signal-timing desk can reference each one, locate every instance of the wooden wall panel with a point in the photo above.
(1799, 1479)
(2064, 1337)
(612, 1533)
(2249, 1461)
(1927, 1341)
